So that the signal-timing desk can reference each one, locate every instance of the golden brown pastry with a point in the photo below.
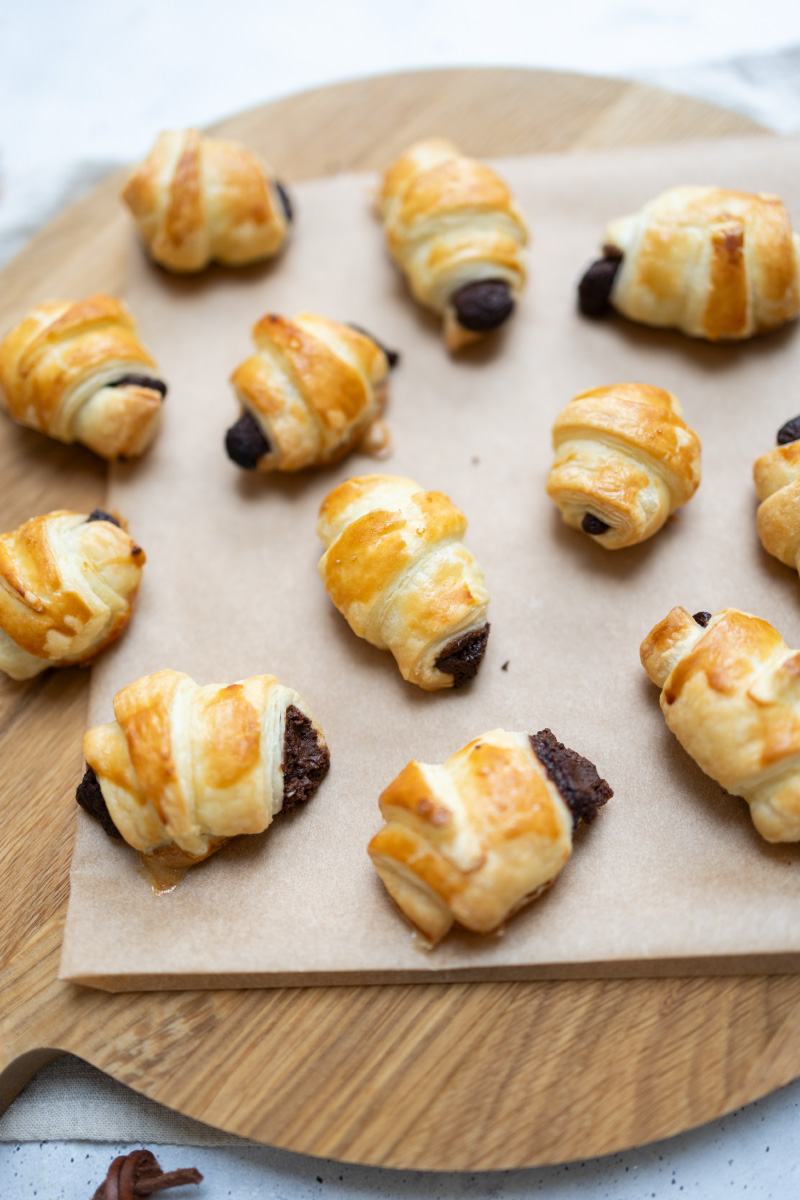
(777, 479)
(78, 372)
(185, 768)
(454, 230)
(198, 200)
(624, 461)
(715, 264)
(311, 392)
(476, 838)
(67, 586)
(731, 695)
(396, 568)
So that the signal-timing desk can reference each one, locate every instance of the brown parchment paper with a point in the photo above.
(671, 877)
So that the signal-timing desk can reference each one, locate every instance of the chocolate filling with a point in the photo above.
(305, 759)
(245, 442)
(99, 514)
(286, 203)
(462, 657)
(392, 356)
(594, 290)
(144, 381)
(789, 432)
(483, 306)
(702, 618)
(91, 800)
(593, 524)
(575, 777)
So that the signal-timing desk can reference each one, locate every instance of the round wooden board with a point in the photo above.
(450, 1077)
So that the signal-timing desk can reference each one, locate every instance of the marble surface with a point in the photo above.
(83, 89)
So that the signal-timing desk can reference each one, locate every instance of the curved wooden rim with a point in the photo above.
(461, 1076)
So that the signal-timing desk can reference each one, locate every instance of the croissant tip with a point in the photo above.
(483, 306)
(91, 799)
(594, 289)
(245, 442)
(306, 759)
(462, 657)
(577, 779)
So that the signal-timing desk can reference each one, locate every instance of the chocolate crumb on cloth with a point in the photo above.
(139, 1174)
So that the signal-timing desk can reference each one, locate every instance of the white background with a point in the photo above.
(84, 87)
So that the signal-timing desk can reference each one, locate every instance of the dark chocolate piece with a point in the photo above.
(462, 657)
(286, 202)
(483, 306)
(145, 381)
(575, 777)
(245, 442)
(594, 290)
(99, 514)
(392, 356)
(306, 759)
(593, 524)
(139, 1174)
(702, 618)
(789, 432)
(92, 801)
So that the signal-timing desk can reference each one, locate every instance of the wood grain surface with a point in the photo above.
(464, 1076)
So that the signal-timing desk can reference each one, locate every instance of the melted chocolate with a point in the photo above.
(143, 381)
(286, 202)
(789, 432)
(593, 524)
(392, 356)
(306, 759)
(483, 306)
(90, 797)
(594, 290)
(575, 777)
(462, 657)
(98, 514)
(245, 442)
(702, 618)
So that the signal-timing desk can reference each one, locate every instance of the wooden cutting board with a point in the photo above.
(456, 1077)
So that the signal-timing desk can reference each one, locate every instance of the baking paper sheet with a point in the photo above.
(671, 878)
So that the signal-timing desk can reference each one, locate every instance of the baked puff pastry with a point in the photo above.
(713, 263)
(78, 372)
(454, 230)
(182, 768)
(396, 568)
(198, 200)
(476, 838)
(624, 460)
(777, 479)
(68, 582)
(312, 391)
(731, 695)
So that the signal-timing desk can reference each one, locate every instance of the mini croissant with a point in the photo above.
(715, 264)
(185, 768)
(624, 461)
(777, 479)
(396, 568)
(454, 230)
(79, 373)
(310, 393)
(67, 586)
(198, 200)
(731, 695)
(476, 838)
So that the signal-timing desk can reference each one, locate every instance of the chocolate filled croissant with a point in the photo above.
(454, 230)
(310, 393)
(67, 586)
(476, 838)
(713, 263)
(731, 695)
(198, 200)
(182, 768)
(777, 479)
(78, 372)
(396, 568)
(624, 461)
